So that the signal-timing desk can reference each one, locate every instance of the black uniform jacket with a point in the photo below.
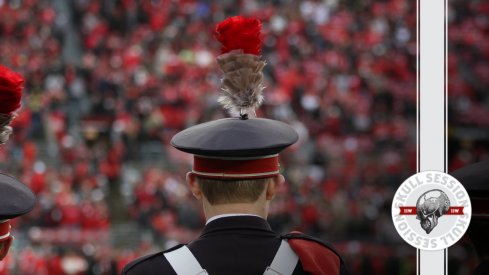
(229, 245)
(482, 269)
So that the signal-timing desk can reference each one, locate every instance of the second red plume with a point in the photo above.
(11, 85)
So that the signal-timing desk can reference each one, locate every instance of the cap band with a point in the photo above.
(233, 168)
(4, 230)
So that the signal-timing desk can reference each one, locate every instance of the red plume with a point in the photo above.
(240, 33)
(11, 85)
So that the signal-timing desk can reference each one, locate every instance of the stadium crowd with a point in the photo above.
(110, 82)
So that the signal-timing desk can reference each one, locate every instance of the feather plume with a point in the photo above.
(240, 33)
(242, 84)
(11, 85)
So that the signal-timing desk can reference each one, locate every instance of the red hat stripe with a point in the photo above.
(4, 230)
(236, 168)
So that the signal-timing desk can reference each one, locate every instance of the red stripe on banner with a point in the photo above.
(411, 210)
(407, 210)
(455, 210)
(237, 167)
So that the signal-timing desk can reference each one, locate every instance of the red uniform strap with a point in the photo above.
(315, 256)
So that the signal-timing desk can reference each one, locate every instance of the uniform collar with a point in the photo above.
(229, 215)
(237, 223)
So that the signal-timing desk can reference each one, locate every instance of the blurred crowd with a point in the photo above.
(110, 82)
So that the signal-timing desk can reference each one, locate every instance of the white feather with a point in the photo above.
(242, 84)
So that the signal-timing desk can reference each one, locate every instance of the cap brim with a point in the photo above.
(234, 137)
(16, 198)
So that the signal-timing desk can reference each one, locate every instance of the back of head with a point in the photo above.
(232, 191)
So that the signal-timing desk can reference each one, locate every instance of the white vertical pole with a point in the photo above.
(431, 108)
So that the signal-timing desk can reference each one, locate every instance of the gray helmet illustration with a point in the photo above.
(430, 206)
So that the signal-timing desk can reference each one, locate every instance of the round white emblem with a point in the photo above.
(431, 210)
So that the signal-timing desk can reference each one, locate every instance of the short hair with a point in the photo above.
(232, 191)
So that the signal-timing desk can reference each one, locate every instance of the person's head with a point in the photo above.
(243, 195)
(231, 154)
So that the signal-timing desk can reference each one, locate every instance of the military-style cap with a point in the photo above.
(475, 179)
(234, 137)
(15, 199)
(236, 148)
(242, 146)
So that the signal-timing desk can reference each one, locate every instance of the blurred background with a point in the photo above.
(108, 83)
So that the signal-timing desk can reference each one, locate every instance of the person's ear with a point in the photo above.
(194, 185)
(274, 185)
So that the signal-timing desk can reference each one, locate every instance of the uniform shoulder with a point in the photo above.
(140, 265)
(295, 235)
(315, 255)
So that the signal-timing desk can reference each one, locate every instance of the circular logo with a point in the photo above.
(431, 210)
